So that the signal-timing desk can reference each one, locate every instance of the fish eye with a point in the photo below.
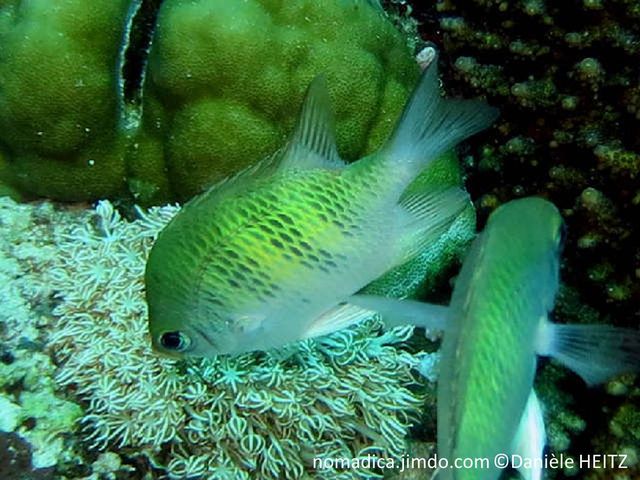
(175, 341)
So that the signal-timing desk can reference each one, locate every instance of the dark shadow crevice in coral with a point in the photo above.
(137, 39)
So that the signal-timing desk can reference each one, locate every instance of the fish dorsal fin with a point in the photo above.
(312, 143)
(233, 183)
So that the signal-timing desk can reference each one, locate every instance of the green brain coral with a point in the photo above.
(219, 89)
(58, 106)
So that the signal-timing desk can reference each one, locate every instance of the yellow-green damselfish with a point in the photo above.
(273, 254)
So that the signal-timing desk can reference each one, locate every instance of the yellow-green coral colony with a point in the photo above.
(151, 121)
(95, 104)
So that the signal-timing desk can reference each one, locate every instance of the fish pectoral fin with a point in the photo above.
(530, 439)
(426, 217)
(595, 352)
(395, 312)
(312, 143)
(248, 323)
(337, 318)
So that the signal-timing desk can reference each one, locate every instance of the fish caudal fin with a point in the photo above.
(395, 312)
(431, 125)
(595, 352)
(530, 439)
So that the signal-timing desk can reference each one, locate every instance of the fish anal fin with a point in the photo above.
(424, 218)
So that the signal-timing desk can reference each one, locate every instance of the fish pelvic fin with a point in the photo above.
(341, 316)
(430, 124)
(531, 438)
(312, 143)
(595, 352)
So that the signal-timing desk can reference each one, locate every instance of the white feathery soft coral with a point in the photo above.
(253, 416)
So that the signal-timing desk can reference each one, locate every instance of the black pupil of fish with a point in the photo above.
(171, 340)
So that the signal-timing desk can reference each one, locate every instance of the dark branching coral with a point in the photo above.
(566, 77)
(15, 460)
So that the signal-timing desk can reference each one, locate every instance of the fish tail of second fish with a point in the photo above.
(431, 124)
(595, 352)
